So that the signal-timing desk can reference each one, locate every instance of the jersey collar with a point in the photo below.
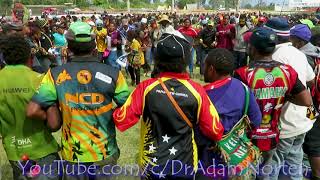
(175, 75)
(217, 84)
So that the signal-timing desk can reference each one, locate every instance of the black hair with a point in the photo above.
(315, 40)
(282, 39)
(243, 16)
(304, 41)
(222, 60)
(81, 48)
(171, 67)
(74, 18)
(15, 49)
(265, 51)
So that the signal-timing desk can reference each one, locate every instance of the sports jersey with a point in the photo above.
(85, 89)
(224, 40)
(271, 82)
(101, 39)
(21, 135)
(136, 47)
(165, 136)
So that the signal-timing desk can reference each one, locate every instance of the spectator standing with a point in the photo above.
(15, 126)
(60, 43)
(264, 75)
(239, 49)
(85, 89)
(136, 57)
(114, 42)
(167, 133)
(300, 36)
(101, 39)
(229, 97)
(225, 33)
(294, 120)
(190, 34)
(207, 42)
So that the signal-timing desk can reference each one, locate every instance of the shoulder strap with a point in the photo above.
(247, 92)
(175, 104)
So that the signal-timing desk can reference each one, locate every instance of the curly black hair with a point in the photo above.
(15, 49)
(81, 48)
(222, 60)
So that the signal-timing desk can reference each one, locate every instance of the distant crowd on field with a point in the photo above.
(139, 33)
(259, 106)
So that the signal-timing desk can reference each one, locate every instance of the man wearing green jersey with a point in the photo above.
(27, 142)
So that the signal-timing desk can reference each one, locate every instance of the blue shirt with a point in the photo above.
(228, 96)
(59, 39)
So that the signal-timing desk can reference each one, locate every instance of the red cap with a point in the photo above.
(262, 19)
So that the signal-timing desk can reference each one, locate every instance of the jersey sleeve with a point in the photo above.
(209, 121)
(129, 114)
(46, 94)
(241, 75)
(122, 90)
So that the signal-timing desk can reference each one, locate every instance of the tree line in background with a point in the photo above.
(5, 5)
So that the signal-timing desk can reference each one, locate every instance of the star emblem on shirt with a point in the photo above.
(151, 148)
(162, 175)
(166, 138)
(154, 160)
(173, 151)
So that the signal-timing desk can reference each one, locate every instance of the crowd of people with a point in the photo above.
(256, 116)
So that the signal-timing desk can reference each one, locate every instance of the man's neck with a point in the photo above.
(220, 77)
(263, 58)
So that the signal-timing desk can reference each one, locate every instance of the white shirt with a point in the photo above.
(293, 118)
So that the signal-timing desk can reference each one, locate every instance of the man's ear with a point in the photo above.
(29, 61)
(212, 69)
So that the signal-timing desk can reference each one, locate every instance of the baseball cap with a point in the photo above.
(80, 32)
(263, 39)
(301, 31)
(279, 26)
(99, 23)
(204, 21)
(171, 48)
(144, 20)
(262, 19)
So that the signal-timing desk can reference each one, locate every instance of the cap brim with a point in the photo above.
(161, 20)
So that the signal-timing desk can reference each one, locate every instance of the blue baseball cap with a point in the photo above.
(301, 31)
(263, 39)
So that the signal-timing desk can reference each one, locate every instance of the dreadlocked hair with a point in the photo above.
(15, 49)
(222, 60)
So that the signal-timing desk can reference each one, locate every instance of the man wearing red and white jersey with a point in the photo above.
(272, 83)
